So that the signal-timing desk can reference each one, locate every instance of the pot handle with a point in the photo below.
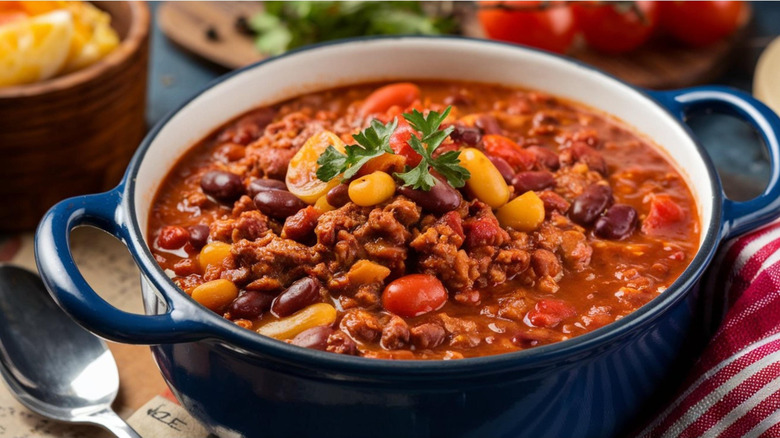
(738, 217)
(74, 295)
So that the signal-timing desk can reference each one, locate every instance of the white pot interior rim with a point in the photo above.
(398, 58)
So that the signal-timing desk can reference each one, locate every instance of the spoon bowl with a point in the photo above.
(51, 364)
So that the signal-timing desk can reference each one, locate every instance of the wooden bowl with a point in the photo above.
(74, 134)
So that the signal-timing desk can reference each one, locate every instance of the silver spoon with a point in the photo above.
(52, 365)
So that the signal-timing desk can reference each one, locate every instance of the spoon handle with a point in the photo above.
(113, 423)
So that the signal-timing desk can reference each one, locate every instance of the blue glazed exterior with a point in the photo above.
(239, 383)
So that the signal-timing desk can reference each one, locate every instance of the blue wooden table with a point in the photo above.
(175, 76)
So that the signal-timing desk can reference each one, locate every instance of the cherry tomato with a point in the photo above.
(399, 142)
(414, 295)
(301, 176)
(616, 28)
(700, 23)
(546, 25)
(400, 94)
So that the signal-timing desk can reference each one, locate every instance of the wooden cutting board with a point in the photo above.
(208, 29)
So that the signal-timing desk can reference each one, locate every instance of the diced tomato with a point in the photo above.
(414, 295)
(502, 147)
(664, 215)
(482, 231)
(549, 313)
(452, 219)
(399, 142)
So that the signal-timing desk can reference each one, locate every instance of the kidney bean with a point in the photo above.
(250, 305)
(315, 338)
(221, 185)
(590, 204)
(591, 157)
(278, 204)
(300, 294)
(465, 135)
(300, 226)
(536, 181)
(172, 237)
(488, 124)
(199, 235)
(440, 199)
(338, 196)
(545, 157)
(503, 167)
(264, 184)
(617, 223)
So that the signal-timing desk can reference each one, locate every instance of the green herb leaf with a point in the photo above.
(447, 164)
(371, 142)
(375, 141)
(331, 163)
(418, 177)
(308, 22)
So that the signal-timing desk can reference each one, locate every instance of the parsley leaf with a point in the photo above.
(371, 142)
(375, 141)
(418, 177)
(447, 164)
(283, 26)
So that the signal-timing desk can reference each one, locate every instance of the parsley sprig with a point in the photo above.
(447, 164)
(375, 141)
(371, 142)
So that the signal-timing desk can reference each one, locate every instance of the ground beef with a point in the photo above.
(427, 335)
(463, 333)
(395, 334)
(340, 342)
(274, 257)
(363, 326)
(250, 225)
(380, 234)
(270, 154)
(439, 253)
(575, 249)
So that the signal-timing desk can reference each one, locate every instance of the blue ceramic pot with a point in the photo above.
(241, 384)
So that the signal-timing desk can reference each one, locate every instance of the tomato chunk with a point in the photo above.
(400, 94)
(549, 313)
(399, 143)
(414, 295)
(664, 215)
(502, 147)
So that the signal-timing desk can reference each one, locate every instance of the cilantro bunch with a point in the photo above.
(375, 141)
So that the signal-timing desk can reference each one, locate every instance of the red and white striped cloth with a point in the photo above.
(734, 388)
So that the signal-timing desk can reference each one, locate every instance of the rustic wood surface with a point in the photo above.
(74, 134)
(188, 24)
